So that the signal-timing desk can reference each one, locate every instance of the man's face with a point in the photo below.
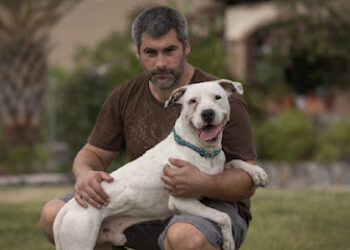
(163, 58)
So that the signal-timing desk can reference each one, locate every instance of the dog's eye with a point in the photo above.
(193, 100)
(217, 97)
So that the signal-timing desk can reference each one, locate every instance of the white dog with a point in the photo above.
(139, 195)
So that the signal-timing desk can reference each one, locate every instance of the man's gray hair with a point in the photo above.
(157, 22)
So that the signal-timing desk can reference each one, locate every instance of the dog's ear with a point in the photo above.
(231, 86)
(175, 97)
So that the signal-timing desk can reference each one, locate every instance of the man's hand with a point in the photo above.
(184, 181)
(88, 188)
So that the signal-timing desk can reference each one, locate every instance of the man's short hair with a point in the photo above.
(157, 22)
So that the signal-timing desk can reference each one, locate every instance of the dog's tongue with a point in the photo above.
(209, 133)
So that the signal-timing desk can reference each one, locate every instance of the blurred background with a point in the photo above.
(60, 59)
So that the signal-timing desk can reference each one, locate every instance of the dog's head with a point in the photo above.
(205, 106)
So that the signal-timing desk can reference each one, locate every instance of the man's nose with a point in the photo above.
(161, 61)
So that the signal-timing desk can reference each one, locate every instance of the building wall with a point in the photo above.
(93, 20)
(240, 22)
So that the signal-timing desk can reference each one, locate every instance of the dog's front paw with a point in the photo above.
(228, 245)
(259, 176)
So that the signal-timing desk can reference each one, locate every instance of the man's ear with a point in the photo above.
(136, 50)
(187, 47)
(176, 96)
(231, 86)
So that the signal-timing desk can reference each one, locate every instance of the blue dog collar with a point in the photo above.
(202, 152)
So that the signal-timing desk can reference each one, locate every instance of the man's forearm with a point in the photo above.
(230, 185)
(85, 161)
(91, 158)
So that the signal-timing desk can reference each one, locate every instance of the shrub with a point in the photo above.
(334, 143)
(208, 54)
(23, 158)
(80, 94)
(288, 137)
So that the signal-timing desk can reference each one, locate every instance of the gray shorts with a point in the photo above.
(150, 235)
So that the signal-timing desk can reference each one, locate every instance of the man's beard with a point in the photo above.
(166, 78)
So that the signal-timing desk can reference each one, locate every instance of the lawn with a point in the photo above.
(299, 219)
(283, 219)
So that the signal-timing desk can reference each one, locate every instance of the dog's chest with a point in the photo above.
(211, 165)
(208, 165)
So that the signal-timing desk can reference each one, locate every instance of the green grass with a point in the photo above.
(299, 219)
(283, 219)
(19, 217)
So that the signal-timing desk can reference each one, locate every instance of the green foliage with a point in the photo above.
(289, 137)
(308, 48)
(320, 25)
(81, 93)
(311, 43)
(23, 158)
(77, 105)
(270, 72)
(208, 54)
(334, 143)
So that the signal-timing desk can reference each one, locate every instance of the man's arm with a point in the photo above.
(188, 181)
(89, 169)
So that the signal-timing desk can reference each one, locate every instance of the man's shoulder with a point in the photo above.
(202, 76)
(136, 83)
(133, 82)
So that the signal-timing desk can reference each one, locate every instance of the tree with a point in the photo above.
(24, 48)
(308, 47)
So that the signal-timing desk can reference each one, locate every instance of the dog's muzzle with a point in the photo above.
(208, 115)
(210, 132)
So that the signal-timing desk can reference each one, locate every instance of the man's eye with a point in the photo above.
(150, 52)
(169, 50)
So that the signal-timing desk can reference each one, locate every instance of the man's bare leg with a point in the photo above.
(185, 236)
(48, 215)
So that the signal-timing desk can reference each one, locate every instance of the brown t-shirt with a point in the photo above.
(132, 119)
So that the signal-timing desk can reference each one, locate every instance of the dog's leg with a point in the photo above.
(195, 207)
(76, 228)
(257, 174)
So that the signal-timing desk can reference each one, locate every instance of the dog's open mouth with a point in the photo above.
(210, 132)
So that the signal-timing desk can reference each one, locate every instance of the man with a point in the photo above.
(134, 118)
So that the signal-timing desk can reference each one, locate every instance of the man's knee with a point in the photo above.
(48, 215)
(183, 235)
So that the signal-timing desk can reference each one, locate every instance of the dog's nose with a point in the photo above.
(208, 115)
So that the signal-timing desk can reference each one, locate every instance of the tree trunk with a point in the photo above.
(22, 83)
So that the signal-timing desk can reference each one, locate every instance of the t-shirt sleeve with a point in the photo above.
(108, 130)
(238, 141)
